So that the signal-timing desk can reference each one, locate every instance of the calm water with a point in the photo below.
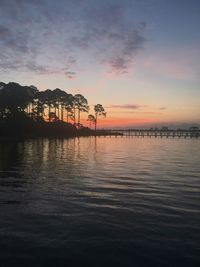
(103, 202)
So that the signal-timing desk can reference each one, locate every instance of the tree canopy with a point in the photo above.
(48, 105)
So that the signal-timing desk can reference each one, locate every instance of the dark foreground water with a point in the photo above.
(100, 202)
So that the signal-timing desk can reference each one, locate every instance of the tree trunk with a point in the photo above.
(79, 113)
(55, 113)
(58, 112)
(49, 112)
(61, 112)
(67, 117)
(95, 123)
(74, 116)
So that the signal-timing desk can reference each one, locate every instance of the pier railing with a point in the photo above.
(152, 133)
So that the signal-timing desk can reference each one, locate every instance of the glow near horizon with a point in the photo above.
(147, 73)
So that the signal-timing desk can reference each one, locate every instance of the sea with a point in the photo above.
(100, 201)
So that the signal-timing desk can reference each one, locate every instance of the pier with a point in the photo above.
(156, 133)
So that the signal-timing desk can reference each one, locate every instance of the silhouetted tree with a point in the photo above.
(99, 111)
(40, 105)
(48, 100)
(56, 96)
(64, 100)
(2, 85)
(91, 119)
(81, 104)
(59, 99)
(32, 90)
(25, 106)
(69, 106)
(15, 98)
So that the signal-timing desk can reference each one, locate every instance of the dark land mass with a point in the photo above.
(26, 127)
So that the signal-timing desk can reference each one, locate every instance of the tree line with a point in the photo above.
(49, 105)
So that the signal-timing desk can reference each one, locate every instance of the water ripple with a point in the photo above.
(92, 201)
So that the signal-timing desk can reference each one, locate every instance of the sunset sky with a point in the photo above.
(139, 58)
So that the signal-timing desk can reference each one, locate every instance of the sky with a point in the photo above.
(140, 59)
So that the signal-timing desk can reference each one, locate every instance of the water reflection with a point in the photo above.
(88, 200)
(10, 155)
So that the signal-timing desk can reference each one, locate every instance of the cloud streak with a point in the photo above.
(70, 75)
(126, 106)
